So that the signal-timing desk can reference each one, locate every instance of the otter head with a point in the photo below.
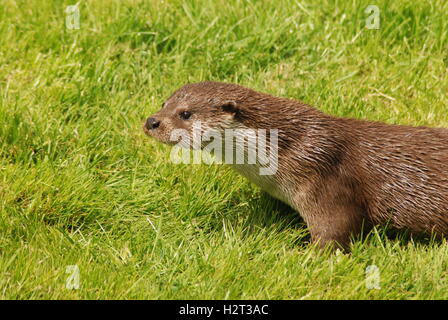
(210, 106)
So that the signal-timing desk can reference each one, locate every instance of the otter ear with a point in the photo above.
(229, 107)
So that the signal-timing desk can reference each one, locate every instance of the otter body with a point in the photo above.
(340, 174)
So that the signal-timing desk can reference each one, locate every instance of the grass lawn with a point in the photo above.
(81, 185)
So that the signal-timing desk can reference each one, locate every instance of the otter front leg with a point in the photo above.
(334, 223)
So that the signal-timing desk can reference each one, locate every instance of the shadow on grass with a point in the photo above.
(402, 236)
(262, 212)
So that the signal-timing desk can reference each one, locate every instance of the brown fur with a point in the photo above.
(339, 173)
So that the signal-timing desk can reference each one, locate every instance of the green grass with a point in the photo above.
(81, 185)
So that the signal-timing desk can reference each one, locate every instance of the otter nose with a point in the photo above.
(152, 123)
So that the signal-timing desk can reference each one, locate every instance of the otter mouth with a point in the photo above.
(152, 134)
(148, 132)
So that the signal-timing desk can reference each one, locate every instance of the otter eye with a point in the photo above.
(185, 115)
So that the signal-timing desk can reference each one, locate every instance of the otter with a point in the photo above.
(342, 175)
